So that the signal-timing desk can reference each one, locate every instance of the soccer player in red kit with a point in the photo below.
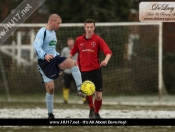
(88, 47)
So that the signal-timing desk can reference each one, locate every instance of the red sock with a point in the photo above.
(97, 104)
(90, 101)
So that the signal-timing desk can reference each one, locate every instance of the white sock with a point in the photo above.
(49, 102)
(77, 76)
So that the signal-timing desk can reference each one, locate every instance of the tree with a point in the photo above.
(6, 6)
(99, 10)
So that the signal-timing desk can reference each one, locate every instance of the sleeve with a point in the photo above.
(57, 53)
(38, 43)
(104, 47)
(74, 50)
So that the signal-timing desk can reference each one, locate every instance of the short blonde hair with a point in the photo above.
(54, 17)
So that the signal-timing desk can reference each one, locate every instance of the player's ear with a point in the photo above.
(52, 21)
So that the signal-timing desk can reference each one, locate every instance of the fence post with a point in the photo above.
(32, 37)
(19, 39)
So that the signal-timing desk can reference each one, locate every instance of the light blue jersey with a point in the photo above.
(45, 45)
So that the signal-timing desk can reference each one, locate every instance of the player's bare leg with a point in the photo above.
(71, 64)
(97, 103)
(49, 98)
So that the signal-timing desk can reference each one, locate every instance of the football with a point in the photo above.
(88, 87)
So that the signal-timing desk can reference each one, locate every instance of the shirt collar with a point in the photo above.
(89, 38)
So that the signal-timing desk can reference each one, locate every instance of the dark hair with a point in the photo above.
(89, 20)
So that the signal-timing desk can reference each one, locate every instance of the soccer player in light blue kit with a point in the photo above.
(50, 63)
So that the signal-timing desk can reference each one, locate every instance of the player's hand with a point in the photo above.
(48, 57)
(103, 63)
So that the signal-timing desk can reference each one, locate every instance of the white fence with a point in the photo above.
(15, 49)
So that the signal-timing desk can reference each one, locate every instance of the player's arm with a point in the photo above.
(105, 61)
(39, 51)
(38, 43)
(108, 53)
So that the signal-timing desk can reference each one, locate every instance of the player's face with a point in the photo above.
(70, 43)
(56, 24)
(89, 28)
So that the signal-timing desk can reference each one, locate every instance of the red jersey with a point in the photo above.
(88, 51)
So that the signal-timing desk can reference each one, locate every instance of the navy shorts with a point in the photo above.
(44, 78)
(51, 69)
(95, 76)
